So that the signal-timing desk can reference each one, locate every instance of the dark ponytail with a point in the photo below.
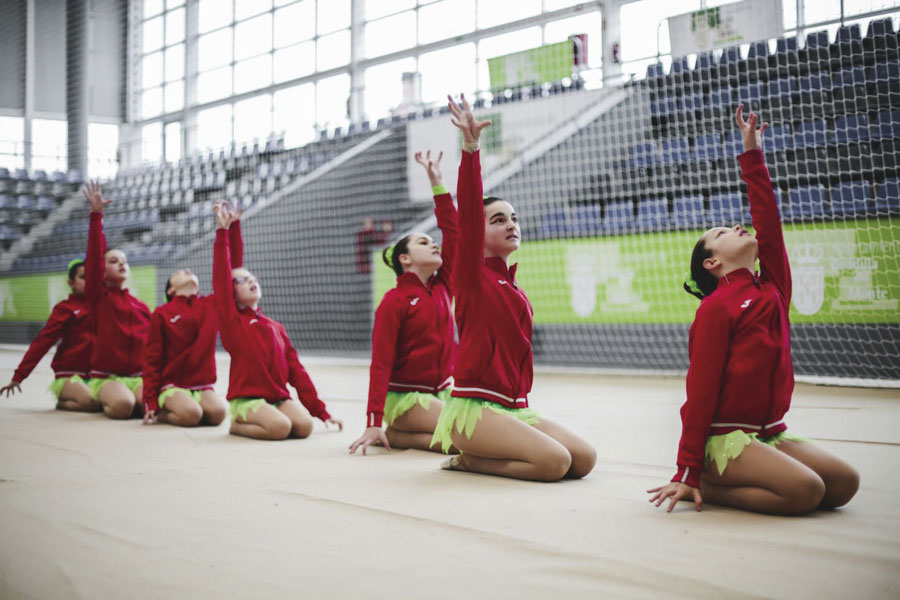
(168, 285)
(401, 247)
(73, 268)
(700, 282)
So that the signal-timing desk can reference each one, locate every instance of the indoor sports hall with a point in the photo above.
(273, 146)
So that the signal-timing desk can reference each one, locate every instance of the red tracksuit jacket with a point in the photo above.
(263, 361)
(740, 376)
(413, 338)
(181, 345)
(68, 321)
(494, 361)
(120, 320)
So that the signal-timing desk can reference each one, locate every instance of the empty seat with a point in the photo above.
(811, 134)
(851, 198)
(587, 220)
(779, 137)
(555, 223)
(726, 210)
(708, 147)
(886, 125)
(644, 155)
(652, 213)
(805, 203)
(851, 129)
(675, 151)
(618, 217)
(687, 211)
(887, 195)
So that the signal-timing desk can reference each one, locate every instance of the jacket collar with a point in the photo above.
(498, 265)
(736, 276)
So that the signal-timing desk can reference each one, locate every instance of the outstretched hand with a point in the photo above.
(752, 136)
(150, 417)
(224, 216)
(432, 167)
(10, 389)
(676, 491)
(92, 192)
(371, 436)
(332, 421)
(463, 118)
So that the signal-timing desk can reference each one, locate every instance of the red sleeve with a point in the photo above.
(236, 241)
(49, 334)
(153, 355)
(94, 261)
(300, 380)
(222, 284)
(385, 332)
(708, 347)
(773, 258)
(470, 255)
(447, 221)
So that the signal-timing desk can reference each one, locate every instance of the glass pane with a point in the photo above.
(285, 2)
(384, 87)
(214, 14)
(294, 114)
(336, 16)
(295, 61)
(333, 50)
(637, 41)
(174, 3)
(253, 119)
(215, 50)
(381, 8)
(331, 101)
(253, 74)
(151, 103)
(103, 141)
(295, 23)
(253, 37)
(151, 143)
(152, 70)
(591, 24)
(152, 8)
(214, 127)
(175, 26)
(497, 13)
(550, 5)
(12, 135)
(213, 85)
(174, 96)
(175, 62)
(446, 19)
(152, 34)
(500, 45)
(448, 71)
(173, 142)
(390, 34)
(49, 138)
(248, 8)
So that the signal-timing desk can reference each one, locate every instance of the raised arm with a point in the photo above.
(96, 248)
(236, 240)
(773, 258)
(152, 368)
(222, 283)
(470, 254)
(447, 219)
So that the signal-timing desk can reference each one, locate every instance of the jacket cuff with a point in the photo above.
(374, 419)
(439, 190)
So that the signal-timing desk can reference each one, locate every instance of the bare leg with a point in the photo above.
(762, 479)
(301, 420)
(214, 408)
(415, 428)
(182, 410)
(266, 423)
(76, 396)
(502, 445)
(117, 400)
(584, 456)
(841, 479)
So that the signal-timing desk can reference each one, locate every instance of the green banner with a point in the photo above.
(537, 65)
(31, 297)
(843, 272)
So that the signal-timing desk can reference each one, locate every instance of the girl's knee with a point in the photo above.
(841, 487)
(806, 494)
(554, 464)
(279, 429)
(118, 408)
(214, 415)
(584, 457)
(302, 429)
(188, 415)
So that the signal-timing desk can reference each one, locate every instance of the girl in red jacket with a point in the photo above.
(413, 338)
(263, 361)
(488, 418)
(735, 449)
(180, 354)
(120, 320)
(68, 322)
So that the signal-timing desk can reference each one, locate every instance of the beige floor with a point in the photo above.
(91, 508)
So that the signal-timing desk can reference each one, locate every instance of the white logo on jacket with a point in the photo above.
(501, 282)
(76, 311)
(414, 301)
(175, 318)
(252, 321)
(746, 303)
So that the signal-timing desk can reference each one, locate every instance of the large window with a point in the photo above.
(12, 137)
(103, 141)
(162, 62)
(49, 149)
